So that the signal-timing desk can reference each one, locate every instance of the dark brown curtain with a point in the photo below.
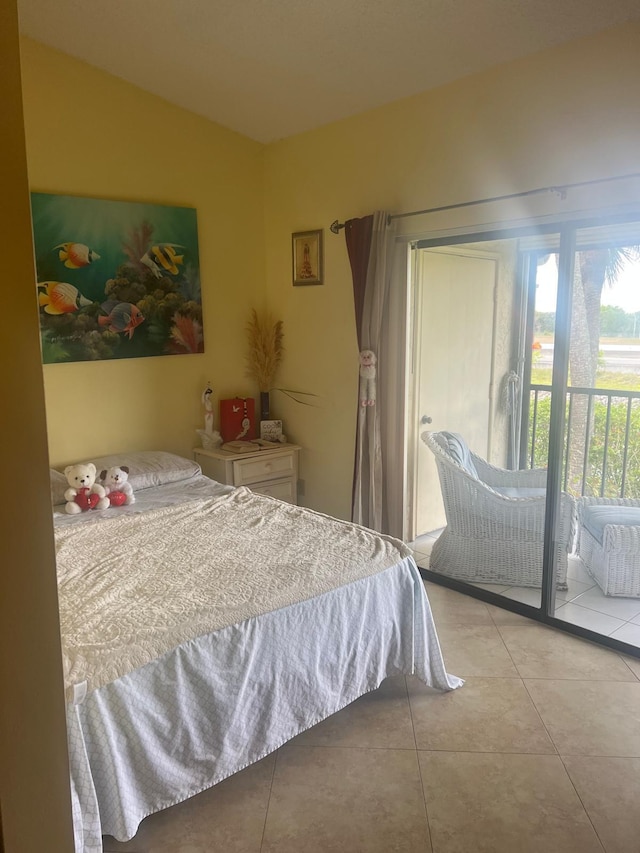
(357, 233)
(367, 246)
(378, 261)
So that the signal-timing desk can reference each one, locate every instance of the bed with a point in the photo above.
(204, 626)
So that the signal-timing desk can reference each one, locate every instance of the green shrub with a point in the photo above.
(615, 462)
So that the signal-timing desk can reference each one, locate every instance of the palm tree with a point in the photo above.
(594, 269)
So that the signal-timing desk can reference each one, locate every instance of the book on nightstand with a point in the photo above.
(250, 446)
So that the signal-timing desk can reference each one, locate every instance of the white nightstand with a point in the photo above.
(268, 472)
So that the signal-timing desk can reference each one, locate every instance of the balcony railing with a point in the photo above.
(601, 440)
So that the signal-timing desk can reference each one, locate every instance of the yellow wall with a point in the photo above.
(561, 116)
(34, 775)
(91, 134)
(566, 115)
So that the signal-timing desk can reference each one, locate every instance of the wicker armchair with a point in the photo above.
(495, 519)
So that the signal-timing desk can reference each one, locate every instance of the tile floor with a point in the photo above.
(539, 752)
(582, 604)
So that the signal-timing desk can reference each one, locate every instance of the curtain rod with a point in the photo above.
(560, 190)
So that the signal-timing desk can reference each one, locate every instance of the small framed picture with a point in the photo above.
(307, 257)
(271, 430)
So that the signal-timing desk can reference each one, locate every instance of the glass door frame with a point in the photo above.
(566, 229)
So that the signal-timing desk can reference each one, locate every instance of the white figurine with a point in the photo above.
(210, 437)
(207, 402)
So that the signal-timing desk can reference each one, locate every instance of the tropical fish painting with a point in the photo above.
(116, 279)
(60, 297)
(76, 255)
(121, 317)
(162, 258)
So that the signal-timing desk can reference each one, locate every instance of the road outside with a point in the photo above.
(614, 358)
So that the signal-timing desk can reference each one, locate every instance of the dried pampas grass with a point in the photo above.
(265, 349)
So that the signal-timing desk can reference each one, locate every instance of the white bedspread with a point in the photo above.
(200, 566)
(204, 651)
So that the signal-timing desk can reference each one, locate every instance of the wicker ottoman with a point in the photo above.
(609, 543)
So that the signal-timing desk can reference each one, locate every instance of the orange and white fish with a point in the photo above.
(121, 317)
(60, 297)
(76, 255)
(163, 257)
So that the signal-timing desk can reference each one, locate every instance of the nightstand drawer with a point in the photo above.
(255, 470)
(284, 490)
(270, 472)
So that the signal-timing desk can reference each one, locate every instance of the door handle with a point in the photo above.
(425, 419)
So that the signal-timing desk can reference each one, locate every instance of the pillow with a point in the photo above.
(595, 518)
(59, 486)
(456, 447)
(150, 467)
(519, 491)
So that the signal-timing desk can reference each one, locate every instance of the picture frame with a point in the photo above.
(104, 268)
(271, 430)
(307, 257)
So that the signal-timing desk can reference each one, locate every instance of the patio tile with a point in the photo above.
(486, 715)
(629, 633)
(422, 560)
(525, 594)
(576, 588)
(587, 618)
(475, 650)
(424, 547)
(589, 717)
(620, 608)
(424, 542)
(541, 652)
(492, 803)
(610, 791)
(577, 570)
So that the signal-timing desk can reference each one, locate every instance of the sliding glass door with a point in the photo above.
(556, 531)
(597, 443)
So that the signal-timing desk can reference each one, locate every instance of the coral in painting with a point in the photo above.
(186, 334)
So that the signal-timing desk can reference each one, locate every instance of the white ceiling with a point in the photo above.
(274, 68)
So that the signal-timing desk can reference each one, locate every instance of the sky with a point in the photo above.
(625, 293)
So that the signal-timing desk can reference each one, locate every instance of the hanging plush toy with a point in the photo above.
(367, 378)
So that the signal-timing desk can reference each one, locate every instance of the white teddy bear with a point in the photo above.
(119, 490)
(83, 492)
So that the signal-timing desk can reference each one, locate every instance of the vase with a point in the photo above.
(264, 405)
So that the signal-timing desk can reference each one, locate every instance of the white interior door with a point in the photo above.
(453, 367)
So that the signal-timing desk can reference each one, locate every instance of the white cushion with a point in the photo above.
(59, 486)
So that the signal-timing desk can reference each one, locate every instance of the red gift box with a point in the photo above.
(238, 419)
